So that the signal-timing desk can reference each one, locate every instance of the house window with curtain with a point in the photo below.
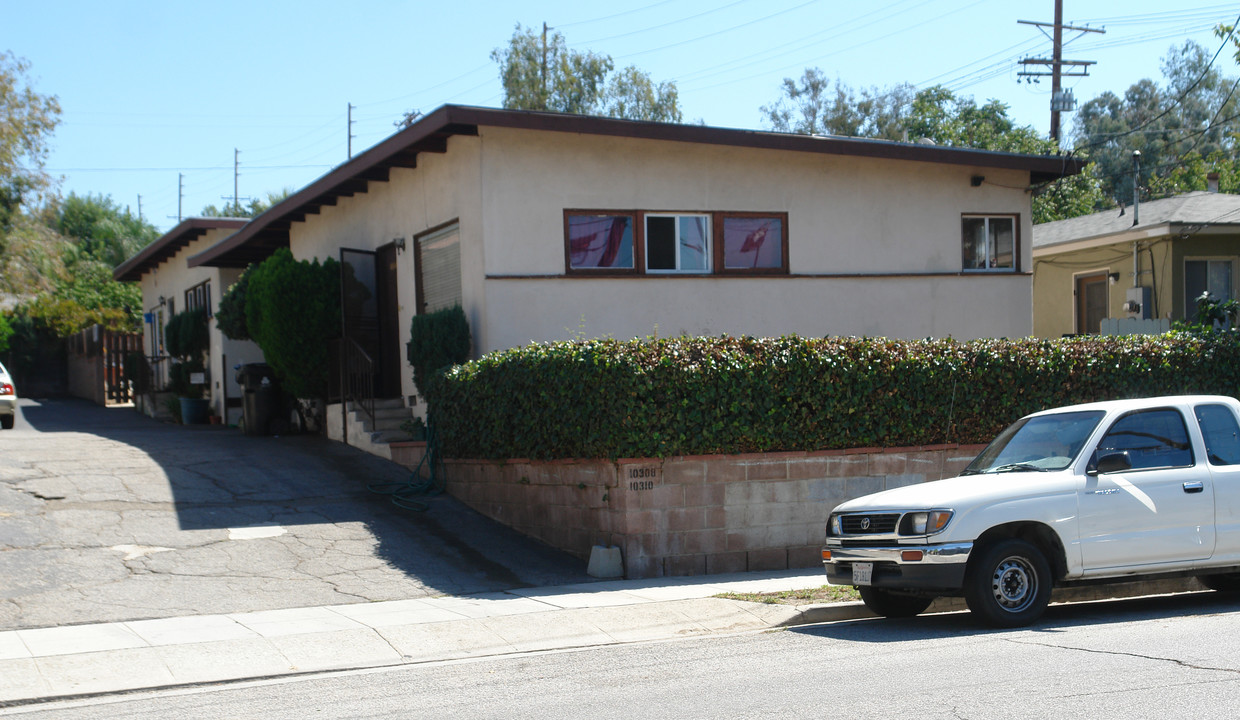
(988, 243)
(601, 241)
(1206, 275)
(752, 243)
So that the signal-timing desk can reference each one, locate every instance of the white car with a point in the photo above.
(8, 400)
(1107, 491)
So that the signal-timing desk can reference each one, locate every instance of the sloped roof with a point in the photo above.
(170, 243)
(269, 231)
(1194, 208)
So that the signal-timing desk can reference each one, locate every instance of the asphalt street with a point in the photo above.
(1165, 657)
(107, 515)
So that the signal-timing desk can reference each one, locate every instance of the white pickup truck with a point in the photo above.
(1103, 492)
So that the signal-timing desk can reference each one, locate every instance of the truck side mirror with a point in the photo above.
(1111, 462)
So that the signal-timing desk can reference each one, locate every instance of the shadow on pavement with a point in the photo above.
(221, 478)
(1058, 619)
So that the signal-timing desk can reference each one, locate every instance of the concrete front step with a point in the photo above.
(390, 414)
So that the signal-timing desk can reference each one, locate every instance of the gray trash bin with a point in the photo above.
(261, 397)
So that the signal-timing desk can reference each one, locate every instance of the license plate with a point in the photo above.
(863, 573)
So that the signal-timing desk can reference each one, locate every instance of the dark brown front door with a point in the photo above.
(1091, 303)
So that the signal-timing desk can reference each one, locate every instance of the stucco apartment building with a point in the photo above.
(169, 286)
(546, 226)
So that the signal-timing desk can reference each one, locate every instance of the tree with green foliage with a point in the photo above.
(815, 105)
(811, 105)
(101, 228)
(6, 332)
(1070, 197)
(31, 256)
(292, 310)
(1167, 122)
(941, 116)
(27, 121)
(252, 209)
(542, 73)
(1192, 173)
(230, 317)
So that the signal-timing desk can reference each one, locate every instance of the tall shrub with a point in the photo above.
(437, 340)
(6, 331)
(230, 317)
(188, 339)
(292, 311)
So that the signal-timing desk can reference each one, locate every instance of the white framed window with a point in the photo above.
(1211, 275)
(988, 243)
(678, 243)
(199, 298)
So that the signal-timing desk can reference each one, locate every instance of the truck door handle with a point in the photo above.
(1194, 487)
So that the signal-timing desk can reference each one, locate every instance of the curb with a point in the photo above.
(855, 610)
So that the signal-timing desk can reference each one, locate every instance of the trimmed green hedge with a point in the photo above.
(691, 396)
(292, 310)
(437, 340)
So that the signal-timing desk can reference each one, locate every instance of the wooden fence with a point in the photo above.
(97, 369)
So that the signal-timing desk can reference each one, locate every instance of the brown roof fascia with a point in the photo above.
(1041, 167)
(170, 243)
(431, 133)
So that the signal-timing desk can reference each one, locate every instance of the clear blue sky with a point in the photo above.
(150, 89)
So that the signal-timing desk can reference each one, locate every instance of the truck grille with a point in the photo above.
(875, 524)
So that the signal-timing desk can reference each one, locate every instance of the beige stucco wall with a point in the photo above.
(443, 188)
(1054, 286)
(891, 228)
(1055, 271)
(170, 280)
(874, 245)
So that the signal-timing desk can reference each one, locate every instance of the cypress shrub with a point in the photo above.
(292, 310)
(437, 340)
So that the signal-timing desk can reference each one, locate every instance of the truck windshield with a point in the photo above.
(1040, 444)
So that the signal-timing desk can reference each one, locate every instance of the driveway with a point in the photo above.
(107, 515)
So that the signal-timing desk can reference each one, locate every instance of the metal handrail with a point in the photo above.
(359, 377)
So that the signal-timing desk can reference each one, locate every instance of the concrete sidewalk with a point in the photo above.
(43, 665)
(56, 663)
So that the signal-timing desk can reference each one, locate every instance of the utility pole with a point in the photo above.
(1061, 100)
(236, 198)
(180, 194)
(543, 96)
(349, 131)
(139, 207)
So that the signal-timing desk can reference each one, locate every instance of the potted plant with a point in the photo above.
(187, 340)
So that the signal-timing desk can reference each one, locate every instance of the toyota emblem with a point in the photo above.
(865, 523)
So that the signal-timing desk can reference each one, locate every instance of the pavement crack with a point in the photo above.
(1139, 656)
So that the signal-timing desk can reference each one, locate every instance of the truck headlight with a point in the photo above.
(925, 523)
(833, 526)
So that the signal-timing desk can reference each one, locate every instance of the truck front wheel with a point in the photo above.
(1008, 584)
(891, 604)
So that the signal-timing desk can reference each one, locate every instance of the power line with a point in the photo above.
(1179, 100)
(670, 23)
(617, 15)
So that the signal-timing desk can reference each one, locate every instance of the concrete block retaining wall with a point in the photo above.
(689, 515)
